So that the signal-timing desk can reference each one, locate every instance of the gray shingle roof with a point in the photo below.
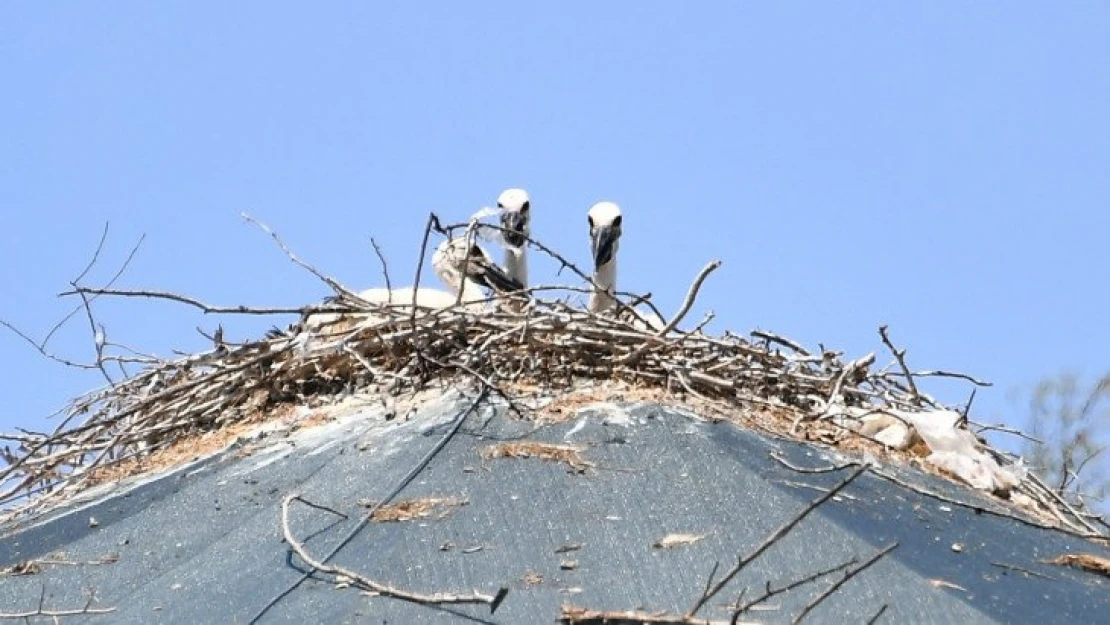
(203, 544)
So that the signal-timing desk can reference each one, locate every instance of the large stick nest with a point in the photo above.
(512, 348)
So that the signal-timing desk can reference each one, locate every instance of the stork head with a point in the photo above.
(515, 218)
(605, 232)
(454, 259)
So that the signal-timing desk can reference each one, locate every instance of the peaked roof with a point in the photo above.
(204, 542)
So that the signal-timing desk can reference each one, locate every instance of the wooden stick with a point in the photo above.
(380, 588)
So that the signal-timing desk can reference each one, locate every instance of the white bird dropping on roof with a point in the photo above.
(516, 220)
(605, 235)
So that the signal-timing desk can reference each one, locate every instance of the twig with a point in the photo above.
(380, 588)
(208, 308)
(829, 469)
(98, 340)
(847, 576)
(96, 253)
(875, 619)
(985, 509)
(411, 475)
(119, 272)
(320, 507)
(943, 374)
(55, 614)
(573, 615)
(900, 356)
(385, 267)
(773, 538)
(771, 592)
(774, 338)
(433, 222)
(980, 428)
(41, 349)
(1018, 569)
(965, 414)
(338, 288)
(691, 295)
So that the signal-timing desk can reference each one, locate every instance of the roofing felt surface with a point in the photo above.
(204, 544)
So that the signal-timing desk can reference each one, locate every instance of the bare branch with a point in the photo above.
(943, 374)
(774, 338)
(119, 272)
(847, 576)
(775, 536)
(771, 592)
(368, 584)
(204, 307)
(381, 259)
(96, 253)
(900, 356)
(691, 295)
(875, 619)
(334, 284)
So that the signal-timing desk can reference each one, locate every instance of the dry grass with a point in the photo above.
(417, 509)
(188, 448)
(1086, 561)
(570, 455)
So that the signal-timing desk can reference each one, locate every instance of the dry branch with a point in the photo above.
(386, 590)
(840, 582)
(769, 591)
(774, 537)
(900, 356)
(55, 614)
(573, 615)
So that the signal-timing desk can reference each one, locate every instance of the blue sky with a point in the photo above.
(939, 167)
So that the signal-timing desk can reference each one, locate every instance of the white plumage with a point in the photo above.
(516, 219)
(605, 232)
(458, 271)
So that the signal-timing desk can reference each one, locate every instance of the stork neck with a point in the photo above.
(516, 265)
(605, 285)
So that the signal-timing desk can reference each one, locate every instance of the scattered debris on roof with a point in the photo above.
(1085, 561)
(413, 509)
(571, 455)
(677, 540)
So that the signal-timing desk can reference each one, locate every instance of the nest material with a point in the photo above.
(545, 344)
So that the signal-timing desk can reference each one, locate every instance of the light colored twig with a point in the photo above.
(368, 584)
(691, 296)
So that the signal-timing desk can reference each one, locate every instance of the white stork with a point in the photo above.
(460, 272)
(605, 234)
(516, 220)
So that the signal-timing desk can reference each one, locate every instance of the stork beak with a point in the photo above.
(514, 224)
(604, 244)
(493, 277)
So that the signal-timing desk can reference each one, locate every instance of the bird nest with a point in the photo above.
(510, 350)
